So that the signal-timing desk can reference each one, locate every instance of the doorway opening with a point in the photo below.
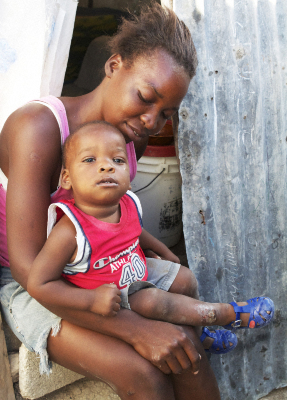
(96, 21)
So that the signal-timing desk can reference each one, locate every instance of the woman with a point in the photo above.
(145, 81)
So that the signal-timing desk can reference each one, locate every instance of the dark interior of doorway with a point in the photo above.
(89, 50)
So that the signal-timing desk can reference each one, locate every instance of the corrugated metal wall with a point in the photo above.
(232, 147)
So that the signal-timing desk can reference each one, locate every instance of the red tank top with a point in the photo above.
(107, 253)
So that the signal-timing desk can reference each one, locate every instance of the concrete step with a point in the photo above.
(278, 394)
(25, 367)
(80, 390)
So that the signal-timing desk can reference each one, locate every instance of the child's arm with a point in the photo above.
(149, 242)
(45, 283)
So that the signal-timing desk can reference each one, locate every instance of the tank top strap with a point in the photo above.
(58, 109)
(132, 159)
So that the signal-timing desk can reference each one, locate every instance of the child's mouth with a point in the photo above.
(107, 182)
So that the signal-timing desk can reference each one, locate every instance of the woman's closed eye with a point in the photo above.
(150, 101)
(144, 99)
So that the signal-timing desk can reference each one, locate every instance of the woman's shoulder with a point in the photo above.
(32, 116)
(31, 143)
(32, 125)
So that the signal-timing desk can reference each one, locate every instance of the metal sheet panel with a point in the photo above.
(232, 147)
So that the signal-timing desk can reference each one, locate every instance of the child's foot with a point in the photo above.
(219, 341)
(254, 313)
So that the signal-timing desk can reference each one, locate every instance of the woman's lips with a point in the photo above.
(138, 133)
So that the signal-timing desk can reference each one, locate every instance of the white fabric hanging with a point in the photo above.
(35, 38)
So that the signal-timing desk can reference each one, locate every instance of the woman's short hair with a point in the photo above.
(156, 27)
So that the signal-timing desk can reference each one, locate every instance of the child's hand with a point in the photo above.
(106, 300)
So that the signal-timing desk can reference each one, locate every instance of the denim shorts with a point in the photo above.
(32, 323)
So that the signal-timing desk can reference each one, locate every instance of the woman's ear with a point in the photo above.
(114, 63)
(65, 179)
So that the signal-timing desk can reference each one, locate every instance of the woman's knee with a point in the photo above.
(145, 381)
(185, 283)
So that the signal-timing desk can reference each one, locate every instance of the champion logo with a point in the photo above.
(103, 262)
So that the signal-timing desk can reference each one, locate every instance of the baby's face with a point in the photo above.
(97, 167)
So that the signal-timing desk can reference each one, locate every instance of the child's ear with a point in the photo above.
(130, 187)
(114, 63)
(65, 179)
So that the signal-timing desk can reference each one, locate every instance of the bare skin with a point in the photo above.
(178, 309)
(104, 357)
(30, 157)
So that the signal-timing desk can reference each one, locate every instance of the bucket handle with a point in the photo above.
(150, 181)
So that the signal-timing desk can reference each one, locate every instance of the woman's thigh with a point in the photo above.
(115, 362)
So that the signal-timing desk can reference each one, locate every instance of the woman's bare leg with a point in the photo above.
(131, 376)
(113, 361)
(205, 385)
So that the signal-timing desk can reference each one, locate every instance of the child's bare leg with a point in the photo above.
(179, 307)
(175, 308)
(186, 283)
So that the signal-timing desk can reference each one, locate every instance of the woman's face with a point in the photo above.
(139, 99)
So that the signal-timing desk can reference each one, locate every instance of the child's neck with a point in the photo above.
(105, 213)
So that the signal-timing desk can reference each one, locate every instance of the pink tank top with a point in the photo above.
(59, 111)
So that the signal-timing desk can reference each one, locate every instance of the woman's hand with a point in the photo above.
(168, 347)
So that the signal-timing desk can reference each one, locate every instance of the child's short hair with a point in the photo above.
(69, 139)
(156, 27)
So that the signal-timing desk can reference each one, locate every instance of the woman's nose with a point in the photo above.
(150, 121)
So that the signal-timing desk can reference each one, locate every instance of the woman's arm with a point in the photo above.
(156, 249)
(34, 147)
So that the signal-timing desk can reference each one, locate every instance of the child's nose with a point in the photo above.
(106, 168)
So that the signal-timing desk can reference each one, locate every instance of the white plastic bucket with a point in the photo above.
(158, 186)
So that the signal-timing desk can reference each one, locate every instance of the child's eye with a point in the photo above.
(89, 159)
(119, 160)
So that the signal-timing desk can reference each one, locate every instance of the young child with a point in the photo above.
(96, 242)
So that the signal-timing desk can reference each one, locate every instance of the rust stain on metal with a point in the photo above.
(202, 216)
